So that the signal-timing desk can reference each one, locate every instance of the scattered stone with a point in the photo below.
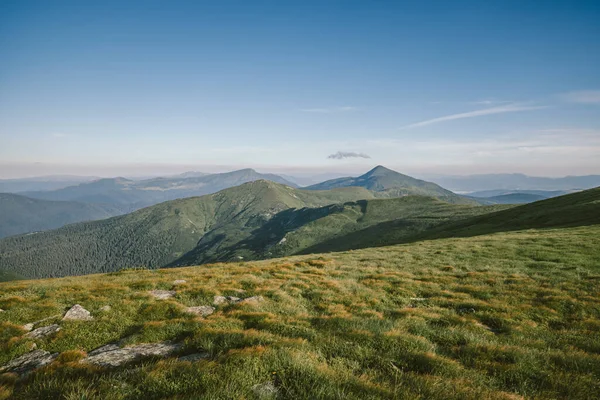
(28, 327)
(201, 310)
(194, 357)
(77, 313)
(104, 349)
(418, 298)
(105, 308)
(265, 390)
(28, 362)
(1, 310)
(252, 300)
(42, 332)
(218, 300)
(116, 357)
(33, 346)
(163, 294)
(179, 282)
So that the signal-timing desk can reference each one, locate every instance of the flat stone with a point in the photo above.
(1, 310)
(42, 332)
(104, 349)
(218, 300)
(77, 313)
(266, 390)
(28, 326)
(163, 294)
(120, 356)
(29, 362)
(201, 310)
(194, 357)
(105, 308)
(179, 282)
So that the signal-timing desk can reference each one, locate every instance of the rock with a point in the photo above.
(201, 310)
(104, 349)
(266, 390)
(1, 310)
(163, 294)
(194, 357)
(115, 357)
(42, 332)
(29, 362)
(252, 300)
(28, 327)
(105, 308)
(218, 300)
(77, 313)
(179, 282)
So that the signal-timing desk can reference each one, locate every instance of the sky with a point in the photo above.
(449, 87)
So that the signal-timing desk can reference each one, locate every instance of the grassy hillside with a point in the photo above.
(20, 214)
(505, 316)
(388, 183)
(137, 194)
(158, 235)
(331, 228)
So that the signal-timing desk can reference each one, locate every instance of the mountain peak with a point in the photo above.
(380, 170)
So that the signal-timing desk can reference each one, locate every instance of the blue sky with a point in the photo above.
(107, 88)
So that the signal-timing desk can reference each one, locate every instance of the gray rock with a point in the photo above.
(77, 313)
(1, 310)
(29, 362)
(179, 282)
(266, 390)
(218, 300)
(42, 332)
(119, 356)
(28, 326)
(105, 308)
(201, 310)
(104, 349)
(163, 294)
(194, 357)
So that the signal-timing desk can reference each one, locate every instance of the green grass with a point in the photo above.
(508, 315)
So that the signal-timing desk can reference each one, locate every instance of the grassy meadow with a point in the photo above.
(503, 316)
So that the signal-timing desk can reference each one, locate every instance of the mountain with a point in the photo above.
(42, 183)
(20, 214)
(514, 198)
(159, 235)
(516, 182)
(137, 194)
(388, 183)
(546, 194)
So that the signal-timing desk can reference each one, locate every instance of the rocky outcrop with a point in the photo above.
(203, 311)
(42, 332)
(179, 281)
(29, 362)
(115, 356)
(77, 313)
(220, 300)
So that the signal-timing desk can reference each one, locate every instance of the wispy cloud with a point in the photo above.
(340, 155)
(508, 108)
(583, 97)
(330, 110)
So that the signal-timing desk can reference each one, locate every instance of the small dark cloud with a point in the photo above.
(347, 154)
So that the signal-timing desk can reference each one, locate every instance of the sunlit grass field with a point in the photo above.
(502, 316)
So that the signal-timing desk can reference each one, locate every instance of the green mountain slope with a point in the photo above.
(20, 214)
(328, 228)
(158, 235)
(388, 183)
(137, 194)
(571, 210)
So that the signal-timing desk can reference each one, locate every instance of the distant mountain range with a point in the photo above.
(20, 214)
(42, 183)
(388, 183)
(135, 194)
(515, 182)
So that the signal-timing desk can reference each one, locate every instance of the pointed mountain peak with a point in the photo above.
(380, 170)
